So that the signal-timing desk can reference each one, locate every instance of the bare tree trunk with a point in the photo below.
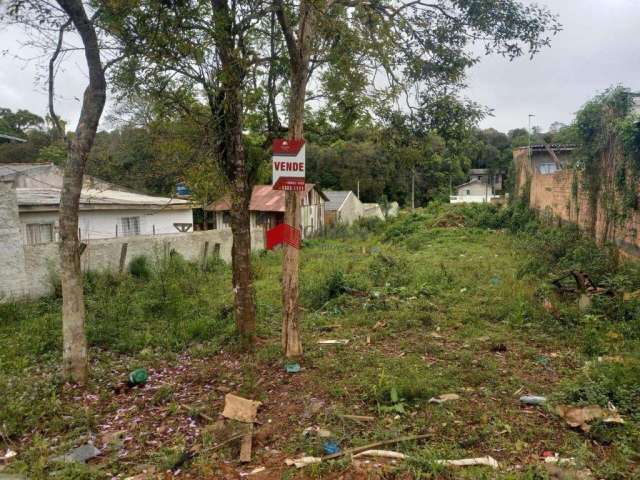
(244, 299)
(205, 217)
(228, 113)
(75, 358)
(300, 54)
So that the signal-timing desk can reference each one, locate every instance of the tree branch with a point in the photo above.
(52, 67)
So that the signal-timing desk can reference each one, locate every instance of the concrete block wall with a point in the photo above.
(13, 280)
(41, 262)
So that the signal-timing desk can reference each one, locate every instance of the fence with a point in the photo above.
(41, 262)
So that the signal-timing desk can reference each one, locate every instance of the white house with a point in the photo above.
(106, 211)
(483, 187)
(343, 207)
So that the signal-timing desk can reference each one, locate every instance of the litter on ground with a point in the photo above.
(381, 453)
(241, 409)
(582, 416)
(468, 462)
(446, 397)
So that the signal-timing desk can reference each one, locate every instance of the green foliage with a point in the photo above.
(608, 134)
(17, 123)
(140, 268)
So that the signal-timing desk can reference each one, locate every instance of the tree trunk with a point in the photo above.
(228, 113)
(299, 52)
(74, 340)
(291, 341)
(74, 357)
(244, 299)
(205, 218)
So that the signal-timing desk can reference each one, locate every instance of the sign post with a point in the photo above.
(288, 165)
(289, 175)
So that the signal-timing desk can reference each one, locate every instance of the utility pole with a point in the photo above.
(358, 195)
(531, 115)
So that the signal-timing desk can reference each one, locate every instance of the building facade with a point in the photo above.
(267, 209)
(105, 210)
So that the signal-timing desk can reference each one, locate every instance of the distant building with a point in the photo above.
(106, 210)
(482, 187)
(10, 139)
(267, 209)
(343, 207)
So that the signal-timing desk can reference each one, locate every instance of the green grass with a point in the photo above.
(445, 300)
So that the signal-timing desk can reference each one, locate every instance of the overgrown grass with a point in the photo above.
(446, 299)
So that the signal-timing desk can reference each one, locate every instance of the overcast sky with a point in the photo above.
(599, 47)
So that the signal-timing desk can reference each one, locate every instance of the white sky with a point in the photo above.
(599, 47)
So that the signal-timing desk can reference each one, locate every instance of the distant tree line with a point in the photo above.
(152, 154)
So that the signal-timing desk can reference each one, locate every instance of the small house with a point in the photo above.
(483, 187)
(106, 211)
(267, 209)
(343, 207)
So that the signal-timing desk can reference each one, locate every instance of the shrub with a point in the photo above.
(389, 270)
(324, 289)
(140, 267)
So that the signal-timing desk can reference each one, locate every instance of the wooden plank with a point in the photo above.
(123, 256)
(245, 445)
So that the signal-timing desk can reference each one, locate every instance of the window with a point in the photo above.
(39, 233)
(547, 168)
(130, 226)
(262, 218)
(226, 218)
(468, 192)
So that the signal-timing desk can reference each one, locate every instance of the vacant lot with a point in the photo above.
(444, 301)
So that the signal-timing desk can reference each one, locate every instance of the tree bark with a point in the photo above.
(299, 48)
(228, 115)
(75, 357)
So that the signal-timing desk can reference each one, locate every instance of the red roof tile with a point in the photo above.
(263, 199)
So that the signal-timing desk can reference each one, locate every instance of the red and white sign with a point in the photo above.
(283, 233)
(288, 165)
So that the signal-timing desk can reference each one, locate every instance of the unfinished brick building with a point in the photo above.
(547, 179)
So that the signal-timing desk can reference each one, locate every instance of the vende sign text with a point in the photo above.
(288, 165)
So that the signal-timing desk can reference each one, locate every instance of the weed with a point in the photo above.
(140, 267)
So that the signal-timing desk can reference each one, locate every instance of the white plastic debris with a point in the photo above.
(446, 397)
(559, 460)
(8, 456)
(302, 461)
(468, 462)
(381, 453)
(333, 342)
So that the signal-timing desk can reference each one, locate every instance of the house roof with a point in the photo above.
(336, 199)
(263, 199)
(9, 138)
(479, 171)
(475, 180)
(556, 147)
(49, 198)
(9, 169)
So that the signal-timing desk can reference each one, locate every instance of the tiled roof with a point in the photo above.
(51, 197)
(336, 199)
(263, 199)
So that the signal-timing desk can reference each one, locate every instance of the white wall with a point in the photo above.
(96, 224)
(475, 189)
(351, 210)
(40, 262)
(472, 198)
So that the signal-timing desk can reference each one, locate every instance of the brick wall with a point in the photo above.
(552, 194)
